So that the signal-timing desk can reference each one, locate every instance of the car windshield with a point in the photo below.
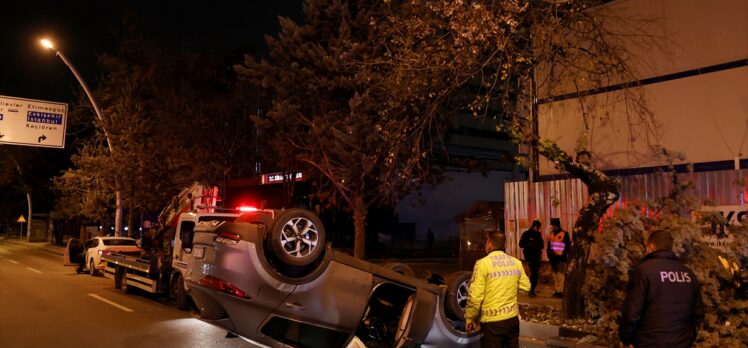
(125, 242)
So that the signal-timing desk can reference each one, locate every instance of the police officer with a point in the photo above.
(493, 295)
(559, 244)
(532, 246)
(663, 306)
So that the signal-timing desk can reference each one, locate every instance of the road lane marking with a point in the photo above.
(34, 270)
(13, 262)
(111, 303)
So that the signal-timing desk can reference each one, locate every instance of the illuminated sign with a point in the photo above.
(275, 178)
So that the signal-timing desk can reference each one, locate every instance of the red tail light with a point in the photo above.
(245, 209)
(224, 287)
(228, 238)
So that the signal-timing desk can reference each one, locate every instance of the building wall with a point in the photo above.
(695, 82)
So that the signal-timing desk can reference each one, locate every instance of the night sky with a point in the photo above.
(83, 29)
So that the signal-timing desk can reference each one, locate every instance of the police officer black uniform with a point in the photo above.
(663, 306)
(532, 246)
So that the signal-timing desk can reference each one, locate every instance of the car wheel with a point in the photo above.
(297, 237)
(458, 285)
(400, 268)
(119, 274)
(179, 293)
(92, 268)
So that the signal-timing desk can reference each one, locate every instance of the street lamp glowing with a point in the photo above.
(48, 44)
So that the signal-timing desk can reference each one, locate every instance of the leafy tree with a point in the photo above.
(495, 54)
(330, 110)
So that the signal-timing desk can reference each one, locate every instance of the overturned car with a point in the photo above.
(270, 277)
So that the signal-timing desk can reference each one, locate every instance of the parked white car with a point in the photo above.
(97, 246)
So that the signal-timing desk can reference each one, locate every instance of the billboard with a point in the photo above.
(694, 84)
(30, 122)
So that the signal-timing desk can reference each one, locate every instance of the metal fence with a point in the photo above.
(564, 198)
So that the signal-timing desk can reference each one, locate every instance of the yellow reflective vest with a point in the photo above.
(493, 288)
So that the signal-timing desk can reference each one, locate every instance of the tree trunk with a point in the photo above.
(604, 192)
(118, 214)
(130, 219)
(359, 227)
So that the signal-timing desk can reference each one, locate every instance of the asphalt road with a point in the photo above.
(44, 304)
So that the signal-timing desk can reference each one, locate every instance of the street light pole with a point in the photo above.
(118, 195)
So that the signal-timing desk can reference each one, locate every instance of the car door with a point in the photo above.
(183, 242)
(73, 254)
(417, 319)
(337, 298)
(90, 248)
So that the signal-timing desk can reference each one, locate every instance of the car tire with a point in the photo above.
(119, 274)
(92, 268)
(457, 294)
(400, 268)
(180, 295)
(297, 237)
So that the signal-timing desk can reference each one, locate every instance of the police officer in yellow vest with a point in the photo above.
(493, 295)
(559, 244)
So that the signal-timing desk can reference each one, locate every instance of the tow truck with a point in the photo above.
(163, 269)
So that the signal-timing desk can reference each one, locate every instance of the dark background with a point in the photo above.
(84, 29)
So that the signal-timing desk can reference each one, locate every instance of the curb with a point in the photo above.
(566, 342)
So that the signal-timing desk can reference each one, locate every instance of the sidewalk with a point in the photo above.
(445, 267)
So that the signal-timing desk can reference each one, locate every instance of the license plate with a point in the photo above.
(198, 252)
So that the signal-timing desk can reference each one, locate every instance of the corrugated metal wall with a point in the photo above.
(544, 200)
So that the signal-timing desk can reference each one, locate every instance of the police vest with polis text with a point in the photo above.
(557, 242)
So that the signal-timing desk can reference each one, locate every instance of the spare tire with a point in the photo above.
(458, 286)
(400, 268)
(297, 237)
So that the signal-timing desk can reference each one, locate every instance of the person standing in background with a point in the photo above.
(559, 244)
(532, 247)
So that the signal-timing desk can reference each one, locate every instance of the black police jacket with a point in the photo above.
(663, 307)
(531, 244)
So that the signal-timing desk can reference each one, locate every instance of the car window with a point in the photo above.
(120, 242)
(303, 334)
